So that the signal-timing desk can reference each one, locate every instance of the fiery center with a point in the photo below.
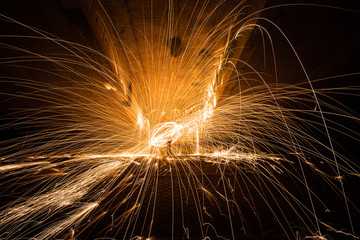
(164, 133)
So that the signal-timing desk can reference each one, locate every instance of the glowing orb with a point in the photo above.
(165, 133)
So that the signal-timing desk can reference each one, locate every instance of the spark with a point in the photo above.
(109, 87)
(140, 120)
(23, 165)
(74, 217)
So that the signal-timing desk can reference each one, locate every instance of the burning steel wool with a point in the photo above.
(162, 128)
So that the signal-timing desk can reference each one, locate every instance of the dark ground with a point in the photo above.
(265, 208)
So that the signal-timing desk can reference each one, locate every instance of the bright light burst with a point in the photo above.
(111, 133)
